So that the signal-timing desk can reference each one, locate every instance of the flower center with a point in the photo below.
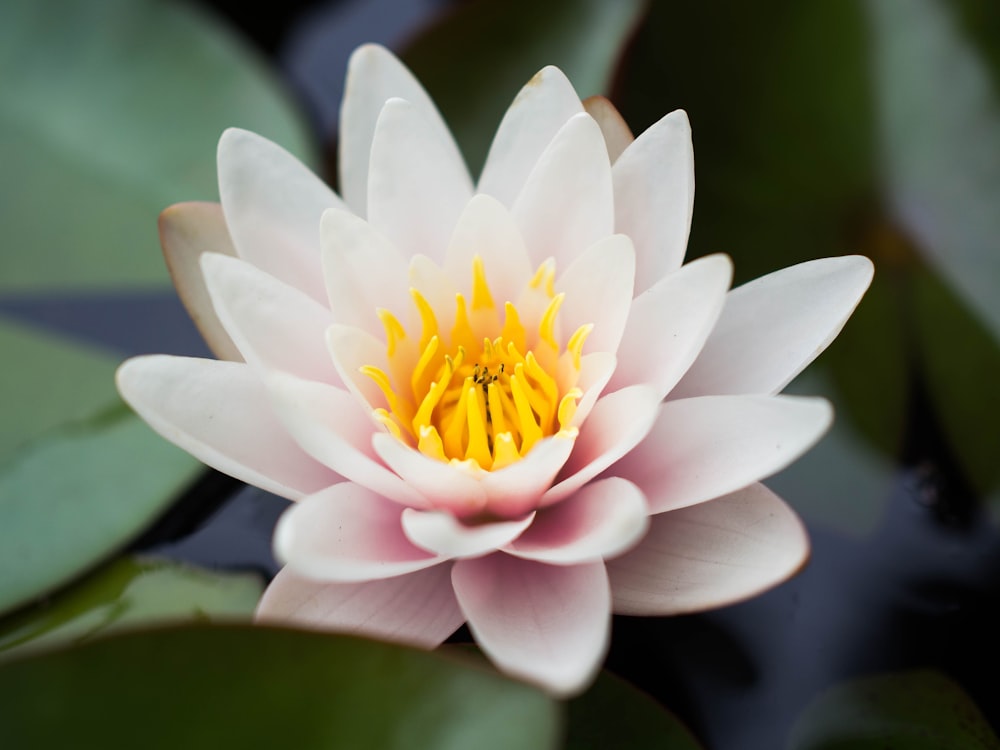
(490, 388)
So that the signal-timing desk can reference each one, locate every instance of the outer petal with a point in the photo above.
(654, 196)
(273, 204)
(187, 230)
(347, 533)
(547, 624)
(274, 325)
(774, 326)
(710, 555)
(417, 181)
(443, 534)
(701, 448)
(669, 322)
(218, 412)
(417, 609)
(567, 203)
(543, 106)
(617, 134)
(602, 520)
(374, 76)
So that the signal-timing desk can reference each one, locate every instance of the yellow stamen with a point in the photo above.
(576, 341)
(481, 297)
(394, 331)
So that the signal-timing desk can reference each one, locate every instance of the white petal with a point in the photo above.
(543, 106)
(654, 197)
(187, 230)
(617, 424)
(518, 488)
(219, 413)
(546, 624)
(617, 134)
(274, 325)
(567, 203)
(774, 326)
(602, 520)
(374, 76)
(669, 322)
(417, 609)
(595, 371)
(332, 427)
(347, 533)
(351, 349)
(598, 286)
(710, 555)
(273, 205)
(363, 272)
(704, 447)
(442, 534)
(417, 181)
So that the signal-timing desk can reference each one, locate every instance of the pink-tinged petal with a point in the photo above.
(187, 230)
(351, 349)
(774, 326)
(442, 534)
(274, 325)
(704, 447)
(598, 286)
(618, 422)
(567, 203)
(654, 197)
(710, 555)
(417, 609)
(273, 204)
(602, 520)
(347, 533)
(332, 427)
(617, 134)
(518, 488)
(363, 272)
(548, 624)
(374, 76)
(486, 229)
(219, 413)
(417, 181)
(669, 323)
(452, 487)
(543, 106)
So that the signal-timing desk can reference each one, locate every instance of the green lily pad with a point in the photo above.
(478, 57)
(231, 686)
(127, 593)
(920, 710)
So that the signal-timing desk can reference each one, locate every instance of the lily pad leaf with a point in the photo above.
(243, 686)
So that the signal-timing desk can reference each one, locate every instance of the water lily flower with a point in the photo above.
(505, 403)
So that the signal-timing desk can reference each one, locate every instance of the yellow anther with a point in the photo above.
(504, 451)
(385, 419)
(547, 328)
(567, 406)
(513, 330)
(461, 332)
(497, 420)
(545, 278)
(478, 447)
(428, 321)
(394, 331)
(430, 443)
(420, 378)
(576, 341)
(531, 433)
(481, 297)
(454, 423)
(384, 384)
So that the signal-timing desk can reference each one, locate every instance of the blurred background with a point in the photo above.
(821, 128)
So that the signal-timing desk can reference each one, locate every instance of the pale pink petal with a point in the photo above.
(418, 609)
(654, 197)
(347, 533)
(617, 424)
(273, 204)
(374, 76)
(417, 181)
(617, 134)
(598, 286)
(274, 325)
(567, 203)
(710, 555)
(440, 533)
(517, 489)
(186, 231)
(704, 447)
(774, 326)
(669, 322)
(602, 520)
(595, 371)
(351, 349)
(543, 106)
(452, 486)
(332, 427)
(548, 624)
(437, 288)
(363, 272)
(486, 229)
(219, 413)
